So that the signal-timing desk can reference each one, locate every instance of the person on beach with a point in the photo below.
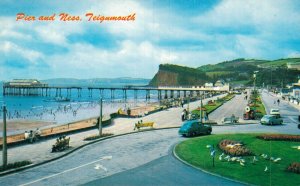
(38, 132)
(26, 135)
(278, 101)
(31, 136)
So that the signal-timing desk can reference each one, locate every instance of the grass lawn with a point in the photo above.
(195, 152)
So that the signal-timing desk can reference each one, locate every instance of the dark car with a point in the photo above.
(193, 128)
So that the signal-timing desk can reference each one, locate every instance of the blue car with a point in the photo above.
(193, 128)
(271, 120)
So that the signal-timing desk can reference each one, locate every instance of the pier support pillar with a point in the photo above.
(135, 94)
(178, 93)
(159, 94)
(147, 94)
(166, 94)
(112, 94)
(172, 94)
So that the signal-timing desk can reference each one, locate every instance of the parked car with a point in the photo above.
(230, 120)
(271, 120)
(193, 128)
(275, 112)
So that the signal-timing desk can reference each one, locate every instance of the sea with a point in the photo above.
(41, 108)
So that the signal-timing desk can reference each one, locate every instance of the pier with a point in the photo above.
(162, 92)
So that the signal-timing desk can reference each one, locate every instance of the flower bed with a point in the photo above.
(279, 137)
(294, 167)
(234, 148)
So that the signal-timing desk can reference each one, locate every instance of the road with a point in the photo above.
(236, 106)
(141, 158)
(163, 171)
(288, 112)
(148, 152)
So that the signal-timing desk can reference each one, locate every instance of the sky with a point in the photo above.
(184, 32)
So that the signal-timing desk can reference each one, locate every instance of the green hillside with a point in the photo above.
(174, 75)
(280, 62)
(238, 71)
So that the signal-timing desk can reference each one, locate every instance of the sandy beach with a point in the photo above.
(165, 118)
(72, 113)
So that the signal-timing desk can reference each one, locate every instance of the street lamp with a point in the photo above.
(4, 145)
(100, 118)
(254, 91)
(254, 77)
(201, 105)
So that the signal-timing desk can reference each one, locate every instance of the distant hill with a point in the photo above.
(236, 72)
(104, 82)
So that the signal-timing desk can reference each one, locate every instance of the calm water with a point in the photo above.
(38, 108)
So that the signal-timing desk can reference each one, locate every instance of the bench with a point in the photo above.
(143, 124)
(61, 144)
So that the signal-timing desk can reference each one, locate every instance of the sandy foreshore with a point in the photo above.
(42, 150)
(17, 127)
(84, 112)
(119, 125)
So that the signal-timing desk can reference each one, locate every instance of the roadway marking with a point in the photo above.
(99, 166)
(294, 121)
(69, 170)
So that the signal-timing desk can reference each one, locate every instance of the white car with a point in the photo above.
(274, 112)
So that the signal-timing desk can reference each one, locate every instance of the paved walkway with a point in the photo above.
(41, 151)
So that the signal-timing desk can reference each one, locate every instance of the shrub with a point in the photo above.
(294, 167)
(279, 137)
(236, 150)
(15, 165)
(94, 137)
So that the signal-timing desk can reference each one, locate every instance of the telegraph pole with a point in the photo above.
(100, 118)
(4, 145)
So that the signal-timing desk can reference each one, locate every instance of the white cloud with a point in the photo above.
(9, 48)
(236, 13)
(57, 32)
(10, 29)
(130, 59)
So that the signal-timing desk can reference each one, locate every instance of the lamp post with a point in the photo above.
(201, 109)
(100, 118)
(4, 145)
(254, 77)
(254, 91)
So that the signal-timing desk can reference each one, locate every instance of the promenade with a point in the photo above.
(41, 150)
